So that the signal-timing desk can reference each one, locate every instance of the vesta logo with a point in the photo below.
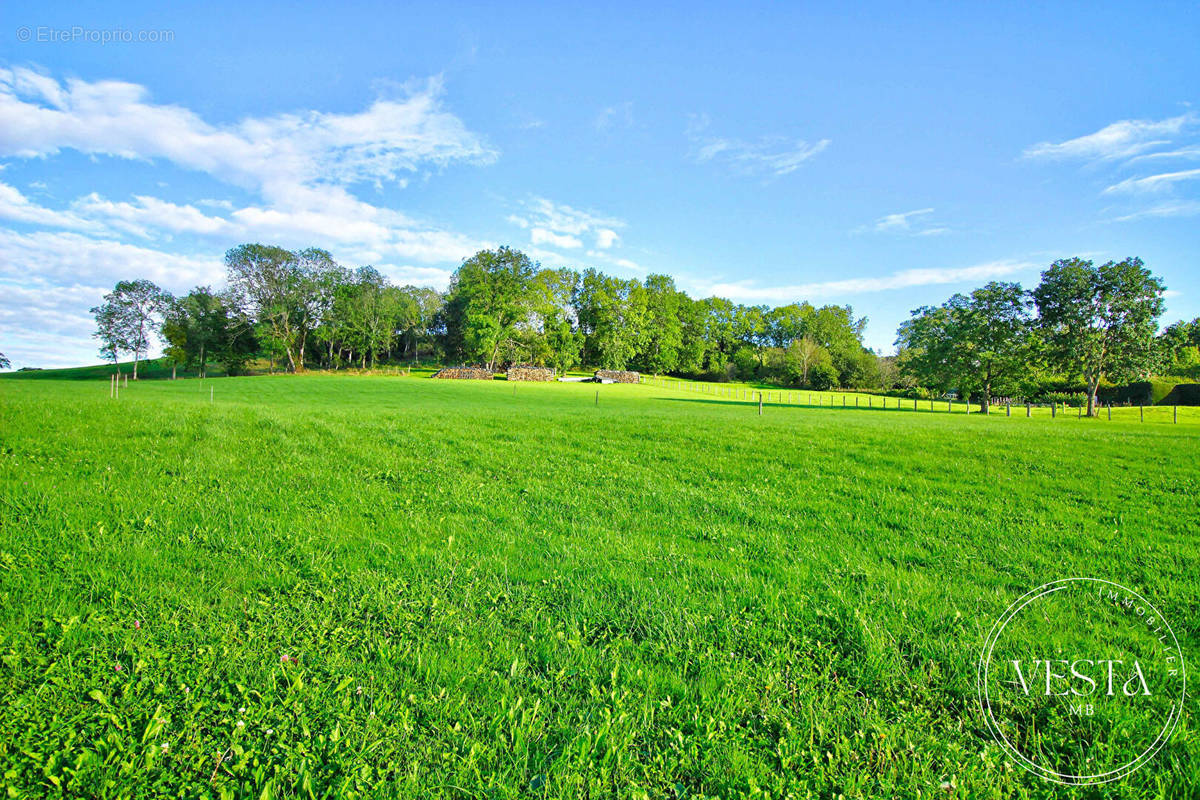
(1081, 681)
(1082, 677)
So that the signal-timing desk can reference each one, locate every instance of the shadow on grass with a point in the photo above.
(803, 407)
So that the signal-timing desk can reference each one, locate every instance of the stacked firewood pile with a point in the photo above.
(464, 373)
(617, 375)
(527, 372)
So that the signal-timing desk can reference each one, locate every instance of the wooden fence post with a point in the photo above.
(1053, 410)
(1008, 409)
(1110, 412)
(1176, 414)
(760, 404)
(1141, 413)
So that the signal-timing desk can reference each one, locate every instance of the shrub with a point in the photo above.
(823, 377)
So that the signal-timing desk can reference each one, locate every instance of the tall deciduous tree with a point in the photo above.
(664, 327)
(128, 318)
(981, 342)
(4, 362)
(1100, 321)
(488, 297)
(282, 288)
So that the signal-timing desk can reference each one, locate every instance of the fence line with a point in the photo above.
(792, 398)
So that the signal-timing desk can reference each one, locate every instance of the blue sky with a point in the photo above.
(879, 156)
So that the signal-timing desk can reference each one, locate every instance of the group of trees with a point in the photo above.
(300, 307)
(1083, 321)
(503, 308)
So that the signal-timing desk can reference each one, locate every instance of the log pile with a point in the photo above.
(617, 375)
(463, 374)
(526, 372)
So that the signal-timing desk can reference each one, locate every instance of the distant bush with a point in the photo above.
(823, 377)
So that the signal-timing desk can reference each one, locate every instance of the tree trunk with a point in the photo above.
(135, 364)
(1093, 385)
(172, 370)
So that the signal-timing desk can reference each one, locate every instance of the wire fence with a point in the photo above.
(765, 397)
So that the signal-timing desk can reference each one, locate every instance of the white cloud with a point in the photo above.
(562, 226)
(1153, 182)
(904, 223)
(149, 213)
(771, 155)
(17, 207)
(300, 164)
(543, 236)
(47, 326)
(900, 221)
(72, 259)
(1121, 139)
(271, 155)
(606, 238)
(746, 291)
(1183, 208)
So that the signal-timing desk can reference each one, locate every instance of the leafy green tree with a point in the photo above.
(194, 329)
(127, 319)
(980, 343)
(283, 290)
(612, 317)
(801, 356)
(1178, 347)
(488, 298)
(786, 324)
(547, 335)
(4, 362)
(1099, 321)
(664, 325)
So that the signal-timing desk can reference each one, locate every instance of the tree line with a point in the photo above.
(1082, 325)
(301, 309)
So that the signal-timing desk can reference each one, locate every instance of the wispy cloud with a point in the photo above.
(560, 225)
(1136, 144)
(618, 116)
(904, 279)
(906, 223)
(1119, 140)
(1181, 208)
(1152, 183)
(773, 156)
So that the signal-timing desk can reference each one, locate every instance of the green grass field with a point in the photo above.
(383, 586)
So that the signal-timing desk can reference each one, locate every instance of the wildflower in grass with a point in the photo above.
(360, 690)
(285, 658)
(165, 747)
(117, 667)
(242, 710)
(241, 724)
(137, 624)
(270, 731)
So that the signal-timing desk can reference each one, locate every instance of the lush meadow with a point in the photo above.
(339, 585)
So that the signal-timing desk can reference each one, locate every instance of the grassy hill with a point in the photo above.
(336, 585)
